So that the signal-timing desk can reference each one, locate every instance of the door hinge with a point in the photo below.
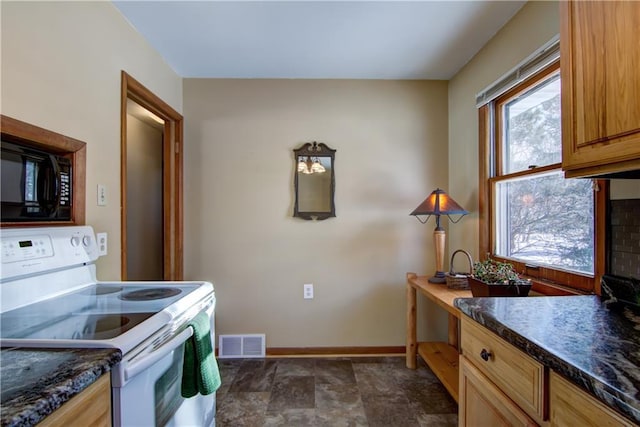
(177, 147)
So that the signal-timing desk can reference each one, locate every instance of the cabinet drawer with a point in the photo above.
(516, 374)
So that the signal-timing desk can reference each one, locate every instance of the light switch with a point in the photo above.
(102, 195)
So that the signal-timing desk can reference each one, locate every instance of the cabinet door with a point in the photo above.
(569, 406)
(92, 407)
(483, 404)
(600, 59)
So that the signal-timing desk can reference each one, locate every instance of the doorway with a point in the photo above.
(151, 185)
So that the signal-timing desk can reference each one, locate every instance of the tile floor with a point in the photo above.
(345, 391)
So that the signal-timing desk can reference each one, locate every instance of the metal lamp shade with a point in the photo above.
(438, 203)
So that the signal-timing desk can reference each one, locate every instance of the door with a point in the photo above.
(147, 390)
(145, 216)
(151, 186)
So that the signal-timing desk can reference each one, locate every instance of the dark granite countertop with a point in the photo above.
(595, 347)
(36, 381)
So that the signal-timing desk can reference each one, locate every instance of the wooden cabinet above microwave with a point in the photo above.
(20, 134)
(600, 63)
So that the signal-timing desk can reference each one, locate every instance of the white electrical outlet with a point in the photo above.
(102, 195)
(102, 243)
(308, 291)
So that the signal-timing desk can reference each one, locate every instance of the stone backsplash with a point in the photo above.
(624, 240)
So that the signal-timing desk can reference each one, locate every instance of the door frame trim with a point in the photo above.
(172, 176)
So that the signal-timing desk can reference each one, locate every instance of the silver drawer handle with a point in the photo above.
(486, 355)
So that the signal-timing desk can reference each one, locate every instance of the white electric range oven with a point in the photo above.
(49, 297)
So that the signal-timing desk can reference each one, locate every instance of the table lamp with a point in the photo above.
(438, 203)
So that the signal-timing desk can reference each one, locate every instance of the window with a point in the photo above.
(531, 216)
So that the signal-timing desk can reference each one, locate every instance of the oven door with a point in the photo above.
(146, 390)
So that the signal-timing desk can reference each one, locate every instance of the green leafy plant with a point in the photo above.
(494, 272)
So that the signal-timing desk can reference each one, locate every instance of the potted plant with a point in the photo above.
(494, 278)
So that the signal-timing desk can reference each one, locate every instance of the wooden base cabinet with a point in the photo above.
(516, 376)
(92, 407)
(569, 406)
(499, 385)
(483, 404)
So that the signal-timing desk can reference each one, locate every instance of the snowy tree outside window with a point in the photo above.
(540, 217)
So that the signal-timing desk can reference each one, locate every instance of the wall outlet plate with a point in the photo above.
(101, 240)
(308, 291)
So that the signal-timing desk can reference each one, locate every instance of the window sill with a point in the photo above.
(553, 289)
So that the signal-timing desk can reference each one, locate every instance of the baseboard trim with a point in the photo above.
(335, 351)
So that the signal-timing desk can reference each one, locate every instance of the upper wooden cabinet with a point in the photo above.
(600, 69)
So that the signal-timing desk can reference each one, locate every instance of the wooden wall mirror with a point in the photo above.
(314, 181)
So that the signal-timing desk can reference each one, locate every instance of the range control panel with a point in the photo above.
(28, 250)
(16, 249)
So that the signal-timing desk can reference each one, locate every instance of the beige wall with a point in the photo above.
(61, 64)
(534, 25)
(391, 142)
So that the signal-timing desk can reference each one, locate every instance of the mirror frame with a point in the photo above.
(315, 149)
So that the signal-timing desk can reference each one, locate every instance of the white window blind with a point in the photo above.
(531, 65)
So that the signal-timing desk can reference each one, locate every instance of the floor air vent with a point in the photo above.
(240, 346)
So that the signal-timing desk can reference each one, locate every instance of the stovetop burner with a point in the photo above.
(108, 323)
(104, 290)
(149, 294)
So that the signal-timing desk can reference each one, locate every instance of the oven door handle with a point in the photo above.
(134, 369)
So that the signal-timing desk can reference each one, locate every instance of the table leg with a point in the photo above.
(411, 323)
(453, 331)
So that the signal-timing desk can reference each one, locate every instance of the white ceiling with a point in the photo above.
(318, 39)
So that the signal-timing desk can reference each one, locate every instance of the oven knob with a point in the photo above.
(86, 240)
(75, 241)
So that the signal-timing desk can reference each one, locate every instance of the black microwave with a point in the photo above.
(36, 185)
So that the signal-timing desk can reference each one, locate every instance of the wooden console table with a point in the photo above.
(441, 357)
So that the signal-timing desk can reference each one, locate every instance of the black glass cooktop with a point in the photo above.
(96, 312)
